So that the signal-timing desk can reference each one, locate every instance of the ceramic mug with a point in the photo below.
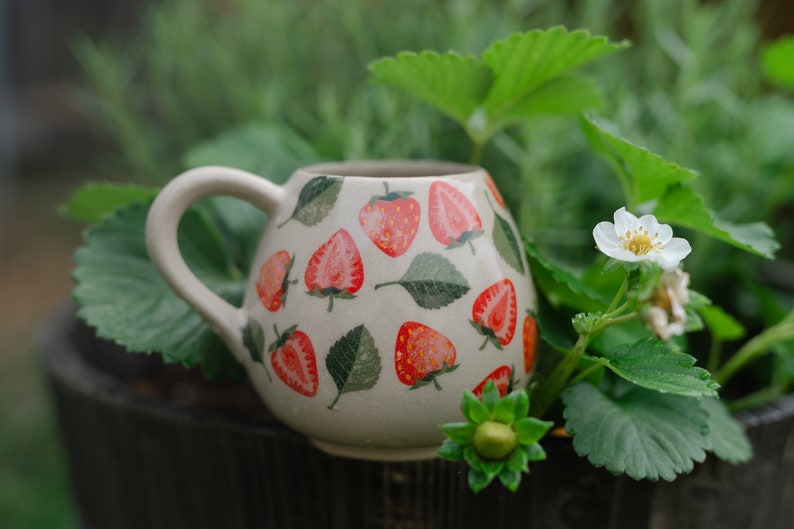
(380, 292)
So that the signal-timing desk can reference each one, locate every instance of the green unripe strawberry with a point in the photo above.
(494, 440)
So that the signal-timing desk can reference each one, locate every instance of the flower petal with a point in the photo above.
(605, 236)
(625, 221)
(663, 231)
(673, 253)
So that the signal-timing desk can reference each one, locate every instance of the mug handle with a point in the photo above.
(161, 239)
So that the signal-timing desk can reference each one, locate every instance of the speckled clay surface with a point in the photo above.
(381, 292)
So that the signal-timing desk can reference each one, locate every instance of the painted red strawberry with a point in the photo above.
(293, 360)
(453, 219)
(335, 269)
(494, 190)
(494, 313)
(530, 342)
(422, 354)
(391, 221)
(273, 280)
(502, 377)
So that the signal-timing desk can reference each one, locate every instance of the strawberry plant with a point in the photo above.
(621, 384)
(630, 361)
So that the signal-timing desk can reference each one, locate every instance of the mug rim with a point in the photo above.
(397, 168)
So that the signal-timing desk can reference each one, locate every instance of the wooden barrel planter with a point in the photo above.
(154, 446)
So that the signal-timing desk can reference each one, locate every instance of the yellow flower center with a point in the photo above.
(640, 241)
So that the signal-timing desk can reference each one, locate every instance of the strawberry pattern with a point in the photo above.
(408, 237)
(273, 280)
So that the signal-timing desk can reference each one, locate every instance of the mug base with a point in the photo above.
(369, 453)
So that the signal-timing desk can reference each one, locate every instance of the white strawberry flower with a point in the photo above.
(633, 239)
(667, 316)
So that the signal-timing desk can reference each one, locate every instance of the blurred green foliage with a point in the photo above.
(690, 89)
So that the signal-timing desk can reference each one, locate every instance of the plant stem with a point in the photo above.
(753, 349)
(757, 399)
(558, 378)
(749, 352)
(476, 153)
(715, 352)
(617, 297)
(586, 373)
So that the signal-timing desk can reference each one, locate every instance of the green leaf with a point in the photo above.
(240, 225)
(490, 397)
(725, 434)
(778, 61)
(506, 242)
(478, 480)
(645, 176)
(492, 468)
(474, 410)
(654, 365)
(471, 457)
(503, 410)
(722, 325)
(680, 206)
(123, 296)
(520, 401)
(451, 450)
(519, 461)
(560, 284)
(316, 200)
(568, 95)
(94, 200)
(531, 430)
(267, 150)
(452, 83)
(460, 432)
(646, 434)
(354, 362)
(511, 479)
(534, 452)
(523, 62)
(432, 280)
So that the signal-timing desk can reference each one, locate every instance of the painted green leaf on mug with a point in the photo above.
(506, 242)
(432, 281)
(317, 198)
(354, 362)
